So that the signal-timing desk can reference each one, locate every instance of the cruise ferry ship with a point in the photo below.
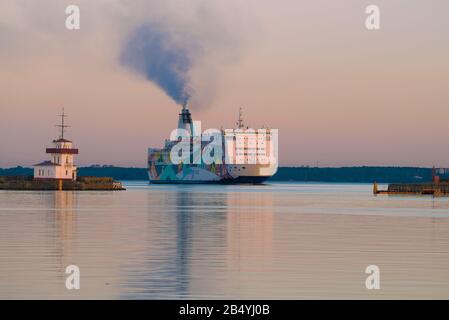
(248, 156)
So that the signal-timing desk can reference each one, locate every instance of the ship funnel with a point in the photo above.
(185, 119)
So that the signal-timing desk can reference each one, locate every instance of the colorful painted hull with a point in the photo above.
(162, 171)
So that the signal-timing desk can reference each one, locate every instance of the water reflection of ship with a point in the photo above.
(198, 240)
(167, 272)
(200, 230)
(184, 232)
(250, 231)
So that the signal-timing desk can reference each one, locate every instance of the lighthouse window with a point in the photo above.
(66, 172)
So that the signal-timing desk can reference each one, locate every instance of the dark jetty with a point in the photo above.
(434, 189)
(82, 183)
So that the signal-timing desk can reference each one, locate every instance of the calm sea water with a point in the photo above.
(282, 240)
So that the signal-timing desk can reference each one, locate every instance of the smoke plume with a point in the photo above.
(184, 54)
(153, 52)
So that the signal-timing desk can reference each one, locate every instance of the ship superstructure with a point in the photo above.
(248, 156)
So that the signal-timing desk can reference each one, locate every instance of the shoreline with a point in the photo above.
(354, 174)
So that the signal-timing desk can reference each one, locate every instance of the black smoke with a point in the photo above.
(151, 51)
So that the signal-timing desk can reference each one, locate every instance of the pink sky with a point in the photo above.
(338, 93)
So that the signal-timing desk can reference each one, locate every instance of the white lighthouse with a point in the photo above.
(60, 166)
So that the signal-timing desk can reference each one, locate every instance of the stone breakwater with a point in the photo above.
(82, 184)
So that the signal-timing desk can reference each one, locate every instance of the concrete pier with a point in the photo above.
(435, 189)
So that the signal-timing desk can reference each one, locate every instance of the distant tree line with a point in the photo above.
(354, 174)
(311, 174)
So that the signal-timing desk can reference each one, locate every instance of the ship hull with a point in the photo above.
(239, 180)
(182, 182)
(162, 172)
(246, 180)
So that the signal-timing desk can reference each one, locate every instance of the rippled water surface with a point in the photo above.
(282, 240)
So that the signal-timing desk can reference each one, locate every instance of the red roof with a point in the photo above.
(47, 164)
(62, 140)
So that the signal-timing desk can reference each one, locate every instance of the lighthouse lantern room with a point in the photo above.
(60, 166)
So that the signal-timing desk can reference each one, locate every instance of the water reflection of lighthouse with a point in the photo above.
(64, 204)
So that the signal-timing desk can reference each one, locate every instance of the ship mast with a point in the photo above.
(240, 123)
